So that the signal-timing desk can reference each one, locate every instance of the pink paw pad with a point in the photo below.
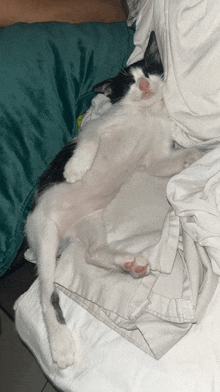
(129, 265)
(139, 270)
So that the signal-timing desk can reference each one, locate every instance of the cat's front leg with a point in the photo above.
(81, 161)
(177, 161)
(192, 155)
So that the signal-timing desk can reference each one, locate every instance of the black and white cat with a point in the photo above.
(135, 131)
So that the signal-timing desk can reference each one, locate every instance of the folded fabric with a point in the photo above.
(194, 195)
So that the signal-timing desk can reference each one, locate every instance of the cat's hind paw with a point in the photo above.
(63, 347)
(137, 266)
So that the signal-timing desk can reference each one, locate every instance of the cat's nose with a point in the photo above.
(144, 85)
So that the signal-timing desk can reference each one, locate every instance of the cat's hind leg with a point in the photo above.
(92, 232)
(43, 236)
(137, 267)
(111, 259)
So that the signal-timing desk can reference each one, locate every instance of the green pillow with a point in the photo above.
(47, 71)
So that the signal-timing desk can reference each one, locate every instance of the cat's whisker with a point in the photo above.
(116, 100)
(123, 72)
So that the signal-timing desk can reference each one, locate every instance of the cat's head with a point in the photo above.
(140, 80)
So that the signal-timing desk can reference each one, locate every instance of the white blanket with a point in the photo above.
(152, 313)
(182, 241)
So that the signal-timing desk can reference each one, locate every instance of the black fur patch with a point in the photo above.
(55, 301)
(54, 173)
(152, 61)
(116, 88)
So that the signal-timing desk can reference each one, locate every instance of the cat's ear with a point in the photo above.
(152, 55)
(103, 87)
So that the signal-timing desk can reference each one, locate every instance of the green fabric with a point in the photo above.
(47, 71)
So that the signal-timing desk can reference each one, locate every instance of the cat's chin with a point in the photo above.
(147, 95)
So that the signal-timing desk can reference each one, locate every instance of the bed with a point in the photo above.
(159, 333)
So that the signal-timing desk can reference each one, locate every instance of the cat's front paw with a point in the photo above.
(72, 173)
(137, 266)
(192, 156)
(62, 347)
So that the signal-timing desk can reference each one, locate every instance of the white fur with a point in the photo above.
(133, 132)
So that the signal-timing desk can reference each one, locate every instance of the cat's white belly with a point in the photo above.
(73, 202)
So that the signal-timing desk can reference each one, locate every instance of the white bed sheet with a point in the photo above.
(107, 362)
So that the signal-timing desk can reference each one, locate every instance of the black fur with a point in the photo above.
(116, 88)
(54, 172)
